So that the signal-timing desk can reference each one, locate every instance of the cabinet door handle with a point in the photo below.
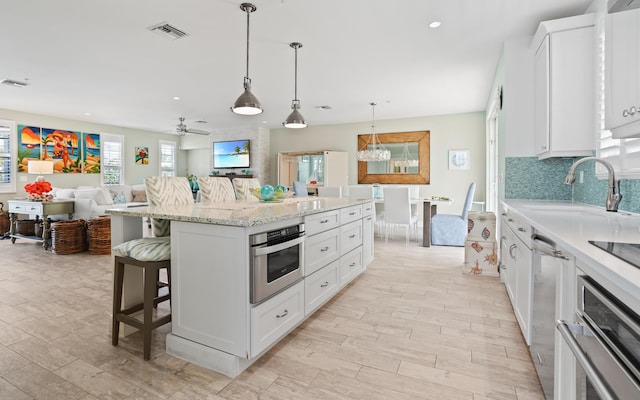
(324, 248)
(352, 265)
(352, 213)
(511, 249)
(521, 230)
(325, 284)
(284, 314)
(324, 221)
(352, 236)
(510, 219)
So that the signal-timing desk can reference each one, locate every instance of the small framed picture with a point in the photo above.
(459, 159)
(142, 155)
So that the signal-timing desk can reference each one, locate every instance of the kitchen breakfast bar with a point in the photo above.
(244, 274)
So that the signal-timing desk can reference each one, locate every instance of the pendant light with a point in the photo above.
(247, 103)
(295, 120)
(375, 151)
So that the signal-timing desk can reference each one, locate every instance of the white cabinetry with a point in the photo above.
(623, 74)
(327, 168)
(368, 220)
(564, 83)
(517, 268)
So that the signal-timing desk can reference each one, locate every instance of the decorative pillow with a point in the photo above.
(145, 249)
(65, 193)
(119, 198)
(125, 189)
(98, 195)
(139, 196)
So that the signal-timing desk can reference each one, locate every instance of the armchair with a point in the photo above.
(451, 230)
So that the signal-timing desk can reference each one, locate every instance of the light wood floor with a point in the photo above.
(411, 327)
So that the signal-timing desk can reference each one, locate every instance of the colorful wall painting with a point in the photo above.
(63, 147)
(28, 146)
(142, 155)
(91, 153)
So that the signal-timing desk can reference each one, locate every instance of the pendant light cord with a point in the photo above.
(248, 9)
(295, 85)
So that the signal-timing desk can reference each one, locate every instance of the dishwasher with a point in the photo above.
(547, 264)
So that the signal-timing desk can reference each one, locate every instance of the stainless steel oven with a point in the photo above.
(275, 261)
(606, 344)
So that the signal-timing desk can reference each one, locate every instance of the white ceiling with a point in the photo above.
(90, 56)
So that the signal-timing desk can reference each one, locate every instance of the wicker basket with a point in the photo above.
(26, 227)
(99, 235)
(68, 237)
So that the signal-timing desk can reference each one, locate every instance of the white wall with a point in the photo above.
(447, 132)
(132, 137)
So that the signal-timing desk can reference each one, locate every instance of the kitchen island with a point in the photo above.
(214, 323)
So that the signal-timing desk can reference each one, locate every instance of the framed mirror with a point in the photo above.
(409, 163)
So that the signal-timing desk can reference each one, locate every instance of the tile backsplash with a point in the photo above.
(528, 178)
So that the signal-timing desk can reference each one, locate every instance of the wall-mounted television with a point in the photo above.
(231, 154)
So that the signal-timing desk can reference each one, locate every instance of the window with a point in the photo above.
(167, 158)
(112, 159)
(8, 152)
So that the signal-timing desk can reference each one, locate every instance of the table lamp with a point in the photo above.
(40, 167)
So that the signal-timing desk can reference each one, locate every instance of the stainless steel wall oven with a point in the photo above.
(276, 259)
(605, 343)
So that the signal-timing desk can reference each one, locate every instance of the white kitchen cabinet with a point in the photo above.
(320, 250)
(517, 271)
(564, 84)
(367, 240)
(622, 70)
(275, 317)
(350, 266)
(320, 286)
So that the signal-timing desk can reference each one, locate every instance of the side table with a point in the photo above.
(43, 209)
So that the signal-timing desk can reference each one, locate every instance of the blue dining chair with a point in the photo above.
(300, 189)
(451, 230)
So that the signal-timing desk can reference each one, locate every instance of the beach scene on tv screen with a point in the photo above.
(232, 154)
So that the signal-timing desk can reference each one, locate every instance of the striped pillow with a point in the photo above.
(145, 249)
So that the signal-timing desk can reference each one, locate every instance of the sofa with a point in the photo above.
(90, 201)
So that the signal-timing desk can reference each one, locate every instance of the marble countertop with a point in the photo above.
(241, 213)
(572, 225)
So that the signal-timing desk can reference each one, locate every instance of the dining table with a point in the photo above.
(429, 209)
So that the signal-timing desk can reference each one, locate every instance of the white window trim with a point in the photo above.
(161, 170)
(13, 157)
(109, 137)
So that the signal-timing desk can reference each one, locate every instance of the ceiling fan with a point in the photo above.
(181, 129)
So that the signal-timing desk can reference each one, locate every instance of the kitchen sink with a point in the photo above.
(574, 210)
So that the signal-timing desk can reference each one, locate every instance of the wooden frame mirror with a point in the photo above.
(418, 175)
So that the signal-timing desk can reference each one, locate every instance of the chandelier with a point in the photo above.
(375, 150)
(406, 159)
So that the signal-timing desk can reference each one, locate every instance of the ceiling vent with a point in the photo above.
(168, 31)
(623, 5)
(11, 82)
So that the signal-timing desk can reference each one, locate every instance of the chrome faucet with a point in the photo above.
(613, 195)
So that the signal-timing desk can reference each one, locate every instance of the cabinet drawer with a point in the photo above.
(350, 214)
(368, 209)
(350, 266)
(275, 317)
(25, 208)
(321, 222)
(350, 236)
(320, 286)
(320, 250)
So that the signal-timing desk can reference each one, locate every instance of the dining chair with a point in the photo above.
(242, 187)
(329, 191)
(451, 230)
(216, 189)
(300, 189)
(151, 254)
(397, 211)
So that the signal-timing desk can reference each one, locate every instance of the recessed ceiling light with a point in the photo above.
(434, 24)
(323, 107)
(176, 98)
(87, 113)
(200, 121)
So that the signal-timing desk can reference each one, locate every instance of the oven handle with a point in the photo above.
(261, 251)
(587, 365)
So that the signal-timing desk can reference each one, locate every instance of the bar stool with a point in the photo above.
(151, 254)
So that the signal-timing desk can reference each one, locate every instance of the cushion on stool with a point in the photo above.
(145, 249)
